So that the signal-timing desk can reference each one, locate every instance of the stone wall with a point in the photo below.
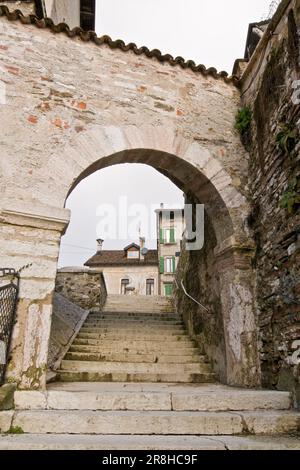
(269, 88)
(67, 319)
(197, 271)
(83, 286)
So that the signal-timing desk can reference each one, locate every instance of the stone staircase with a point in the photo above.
(132, 380)
(150, 416)
(135, 339)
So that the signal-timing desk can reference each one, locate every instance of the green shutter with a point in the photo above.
(174, 264)
(161, 236)
(168, 289)
(162, 265)
(172, 235)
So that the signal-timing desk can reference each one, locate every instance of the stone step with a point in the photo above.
(138, 301)
(133, 368)
(137, 307)
(150, 397)
(121, 336)
(144, 358)
(135, 323)
(132, 315)
(75, 376)
(152, 302)
(145, 442)
(156, 422)
(141, 331)
(135, 316)
(136, 343)
(136, 311)
(163, 350)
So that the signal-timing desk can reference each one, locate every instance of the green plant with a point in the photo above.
(243, 120)
(15, 430)
(287, 138)
(291, 197)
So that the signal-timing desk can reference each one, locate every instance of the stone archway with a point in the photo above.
(194, 168)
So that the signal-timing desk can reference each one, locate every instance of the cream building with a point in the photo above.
(131, 271)
(135, 270)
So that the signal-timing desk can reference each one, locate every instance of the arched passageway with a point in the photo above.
(194, 170)
(68, 120)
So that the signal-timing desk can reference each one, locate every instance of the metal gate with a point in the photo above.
(9, 289)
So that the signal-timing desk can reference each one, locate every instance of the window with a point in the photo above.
(150, 287)
(167, 236)
(124, 285)
(167, 265)
(133, 254)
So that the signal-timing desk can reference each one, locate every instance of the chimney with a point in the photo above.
(142, 245)
(99, 245)
(142, 242)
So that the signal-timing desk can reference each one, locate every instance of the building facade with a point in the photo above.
(135, 270)
(170, 226)
(131, 271)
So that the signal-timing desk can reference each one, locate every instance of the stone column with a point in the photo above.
(31, 235)
(237, 292)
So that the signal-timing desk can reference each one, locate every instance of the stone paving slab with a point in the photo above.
(113, 396)
(157, 422)
(121, 442)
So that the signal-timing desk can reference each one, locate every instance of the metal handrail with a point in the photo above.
(190, 297)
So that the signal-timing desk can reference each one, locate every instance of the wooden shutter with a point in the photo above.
(161, 236)
(174, 264)
(172, 235)
(162, 265)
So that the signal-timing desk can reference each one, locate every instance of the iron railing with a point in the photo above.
(9, 289)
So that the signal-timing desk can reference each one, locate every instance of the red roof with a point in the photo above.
(119, 258)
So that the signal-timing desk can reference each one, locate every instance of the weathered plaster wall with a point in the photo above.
(82, 286)
(269, 87)
(67, 319)
(64, 11)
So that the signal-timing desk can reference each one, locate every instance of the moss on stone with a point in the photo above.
(15, 430)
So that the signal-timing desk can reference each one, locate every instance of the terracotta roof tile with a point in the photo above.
(119, 258)
(86, 36)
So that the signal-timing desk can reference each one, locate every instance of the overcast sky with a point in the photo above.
(211, 33)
